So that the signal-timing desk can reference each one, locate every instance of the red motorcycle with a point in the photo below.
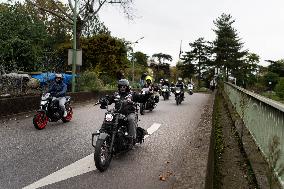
(50, 111)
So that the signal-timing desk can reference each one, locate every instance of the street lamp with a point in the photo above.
(133, 60)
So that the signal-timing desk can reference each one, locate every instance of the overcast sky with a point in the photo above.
(164, 23)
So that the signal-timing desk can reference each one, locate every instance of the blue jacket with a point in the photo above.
(58, 89)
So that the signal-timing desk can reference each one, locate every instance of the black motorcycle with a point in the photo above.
(190, 89)
(178, 95)
(150, 103)
(51, 111)
(113, 138)
(165, 92)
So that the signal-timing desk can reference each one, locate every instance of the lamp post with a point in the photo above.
(74, 48)
(133, 60)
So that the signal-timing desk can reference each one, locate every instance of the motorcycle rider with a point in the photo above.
(128, 109)
(153, 89)
(180, 84)
(58, 90)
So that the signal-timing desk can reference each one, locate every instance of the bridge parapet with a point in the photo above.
(263, 117)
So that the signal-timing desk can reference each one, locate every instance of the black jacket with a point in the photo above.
(127, 102)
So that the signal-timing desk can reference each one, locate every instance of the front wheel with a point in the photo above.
(103, 154)
(69, 115)
(40, 120)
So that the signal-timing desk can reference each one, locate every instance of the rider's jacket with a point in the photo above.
(180, 85)
(58, 89)
(127, 103)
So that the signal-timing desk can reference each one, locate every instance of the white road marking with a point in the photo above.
(77, 168)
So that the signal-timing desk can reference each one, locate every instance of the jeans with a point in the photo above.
(62, 101)
(132, 124)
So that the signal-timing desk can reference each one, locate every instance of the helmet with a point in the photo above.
(58, 78)
(179, 79)
(148, 79)
(123, 85)
(166, 80)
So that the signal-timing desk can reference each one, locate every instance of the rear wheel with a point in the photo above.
(40, 120)
(103, 154)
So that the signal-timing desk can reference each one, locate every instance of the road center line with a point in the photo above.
(77, 168)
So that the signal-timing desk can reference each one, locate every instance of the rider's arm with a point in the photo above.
(140, 98)
(63, 91)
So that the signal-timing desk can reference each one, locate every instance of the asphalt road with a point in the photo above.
(28, 155)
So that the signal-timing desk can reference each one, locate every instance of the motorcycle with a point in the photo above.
(165, 92)
(190, 89)
(150, 103)
(178, 96)
(50, 111)
(113, 138)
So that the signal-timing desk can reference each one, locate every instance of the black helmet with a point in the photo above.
(123, 85)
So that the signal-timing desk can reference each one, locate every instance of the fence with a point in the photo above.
(263, 117)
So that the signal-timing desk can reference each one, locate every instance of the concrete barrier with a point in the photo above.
(9, 106)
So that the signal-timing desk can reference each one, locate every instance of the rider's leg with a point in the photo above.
(62, 101)
(132, 124)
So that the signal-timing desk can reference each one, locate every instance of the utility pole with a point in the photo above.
(74, 58)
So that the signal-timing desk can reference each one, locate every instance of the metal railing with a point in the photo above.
(263, 117)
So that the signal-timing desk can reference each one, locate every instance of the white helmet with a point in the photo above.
(58, 76)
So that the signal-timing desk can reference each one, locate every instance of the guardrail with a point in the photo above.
(9, 106)
(263, 117)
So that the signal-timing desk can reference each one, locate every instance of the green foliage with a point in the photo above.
(105, 54)
(228, 47)
(271, 79)
(162, 57)
(22, 38)
(279, 89)
(199, 55)
(140, 58)
(276, 67)
(89, 81)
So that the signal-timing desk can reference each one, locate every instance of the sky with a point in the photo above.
(165, 23)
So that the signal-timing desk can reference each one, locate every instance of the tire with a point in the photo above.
(103, 154)
(142, 106)
(177, 101)
(69, 115)
(40, 120)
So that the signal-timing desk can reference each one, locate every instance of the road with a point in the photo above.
(61, 155)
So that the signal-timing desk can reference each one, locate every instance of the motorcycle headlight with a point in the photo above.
(177, 91)
(109, 117)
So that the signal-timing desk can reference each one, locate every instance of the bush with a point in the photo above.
(279, 89)
(89, 81)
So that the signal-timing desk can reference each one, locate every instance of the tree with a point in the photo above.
(276, 67)
(22, 39)
(249, 69)
(228, 47)
(104, 54)
(87, 11)
(162, 68)
(140, 58)
(199, 55)
(270, 80)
